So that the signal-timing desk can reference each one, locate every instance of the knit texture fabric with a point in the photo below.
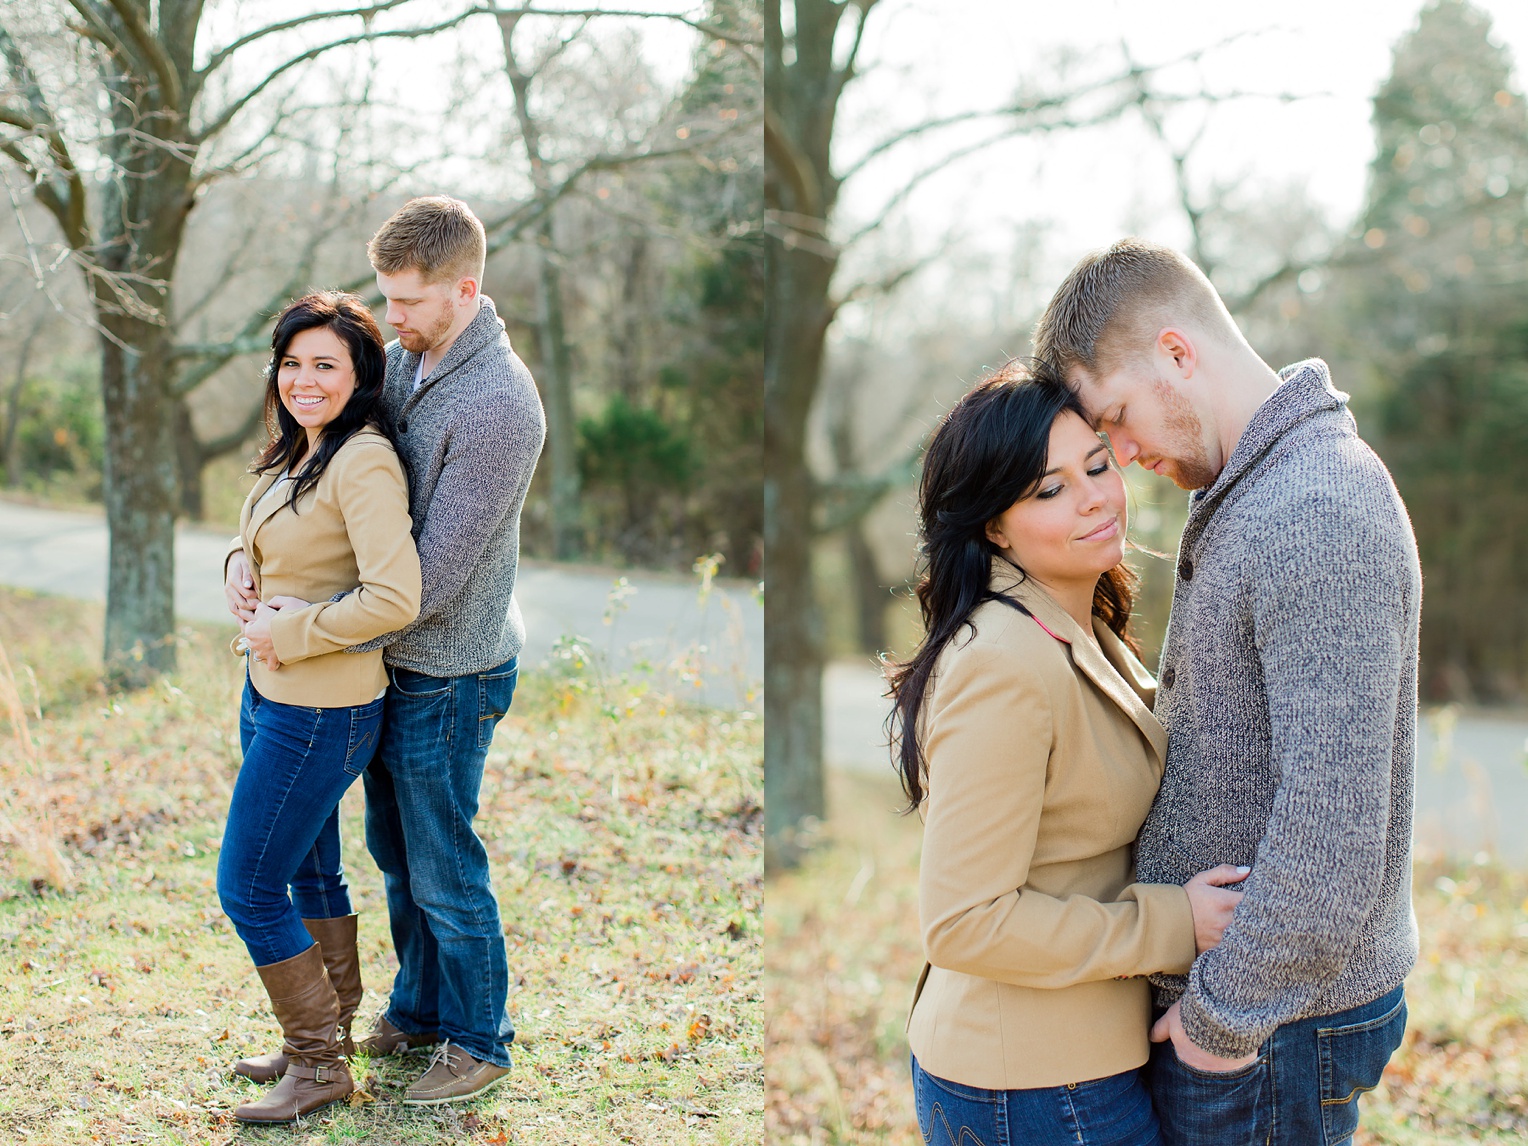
(1288, 688)
(469, 438)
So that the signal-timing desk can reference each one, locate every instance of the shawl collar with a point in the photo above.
(485, 327)
(1305, 391)
(1113, 670)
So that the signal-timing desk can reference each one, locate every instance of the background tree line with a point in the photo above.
(1418, 303)
(176, 171)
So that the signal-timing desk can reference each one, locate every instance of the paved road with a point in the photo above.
(1472, 766)
(662, 620)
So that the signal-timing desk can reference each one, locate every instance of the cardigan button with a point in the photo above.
(403, 427)
(1186, 569)
(1168, 676)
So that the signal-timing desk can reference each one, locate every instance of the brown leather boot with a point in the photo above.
(337, 939)
(308, 1011)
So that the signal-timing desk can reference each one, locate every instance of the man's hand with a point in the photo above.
(1170, 1026)
(239, 588)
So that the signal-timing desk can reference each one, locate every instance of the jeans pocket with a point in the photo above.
(365, 727)
(1353, 1058)
(495, 692)
(424, 706)
(950, 1114)
(1210, 1108)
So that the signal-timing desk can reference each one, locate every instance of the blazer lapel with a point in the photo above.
(257, 511)
(1085, 655)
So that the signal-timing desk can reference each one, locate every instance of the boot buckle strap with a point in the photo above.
(312, 1073)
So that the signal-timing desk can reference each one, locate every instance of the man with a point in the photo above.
(1288, 688)
(469, 426)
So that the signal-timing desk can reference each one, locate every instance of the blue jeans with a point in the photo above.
(1112, 1111)
(421, 798)
(283, 830)
(1301, 1090)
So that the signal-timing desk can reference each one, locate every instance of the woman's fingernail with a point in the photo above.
(1243, 870)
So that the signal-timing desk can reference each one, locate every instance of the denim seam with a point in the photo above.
(477, 916)
(1273, 1091)
(1074, 1123)
(1367, 1025)
(276, 811)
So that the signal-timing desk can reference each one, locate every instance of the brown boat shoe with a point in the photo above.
(386, 1039)
(454, 1076)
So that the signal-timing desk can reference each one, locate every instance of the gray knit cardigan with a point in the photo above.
(1288, 688)
(469, 438)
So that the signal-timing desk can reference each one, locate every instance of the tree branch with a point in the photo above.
(221, 56)
(846, 73)
(97, 24)
(151, 51)
(794, 166)
(238, 104)
(224, 443)
(846, 498)
(714, 31)
(67, 205)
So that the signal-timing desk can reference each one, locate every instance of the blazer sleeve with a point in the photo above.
(988, 743)
(373, 497)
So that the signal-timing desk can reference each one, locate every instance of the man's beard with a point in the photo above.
(1188, 463)
(419, 341)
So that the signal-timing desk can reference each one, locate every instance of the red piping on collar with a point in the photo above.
(1042, 624)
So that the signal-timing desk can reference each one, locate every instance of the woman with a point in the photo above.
(1025, 737)
(327, 521)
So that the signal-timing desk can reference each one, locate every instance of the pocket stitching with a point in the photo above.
(1228, 1075)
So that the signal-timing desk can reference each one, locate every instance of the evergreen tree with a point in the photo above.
(1437, 287)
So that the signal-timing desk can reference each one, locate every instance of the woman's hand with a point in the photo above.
(239, 588)
(1212, 903)
(258, 631)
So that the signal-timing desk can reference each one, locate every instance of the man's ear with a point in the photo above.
(466, 289)
(1175, 346)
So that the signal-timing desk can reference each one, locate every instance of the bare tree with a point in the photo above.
(131, 101)
(527, 66)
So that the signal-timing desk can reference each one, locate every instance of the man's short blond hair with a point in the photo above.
(435, 235)
(1111, 306)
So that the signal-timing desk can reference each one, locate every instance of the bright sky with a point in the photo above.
(929, 56)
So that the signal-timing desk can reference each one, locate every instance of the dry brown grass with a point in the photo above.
(844, 954)
(625, 842)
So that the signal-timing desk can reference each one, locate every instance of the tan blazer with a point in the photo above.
(350, 532)
(1043, 759)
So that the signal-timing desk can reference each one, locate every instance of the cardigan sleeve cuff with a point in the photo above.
(1207, 1032)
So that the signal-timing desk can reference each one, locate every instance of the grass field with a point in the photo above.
(842, 938)
(625, 839)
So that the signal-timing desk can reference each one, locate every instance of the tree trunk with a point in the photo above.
(628, 342)
(798, 316)
(870, 592)
(556, 378)
(802, 87)
(10, 472)
(556, 366)
(189, 463)
(140, 506)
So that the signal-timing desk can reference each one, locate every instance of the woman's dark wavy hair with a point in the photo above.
(348, 316)
(990, 451)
